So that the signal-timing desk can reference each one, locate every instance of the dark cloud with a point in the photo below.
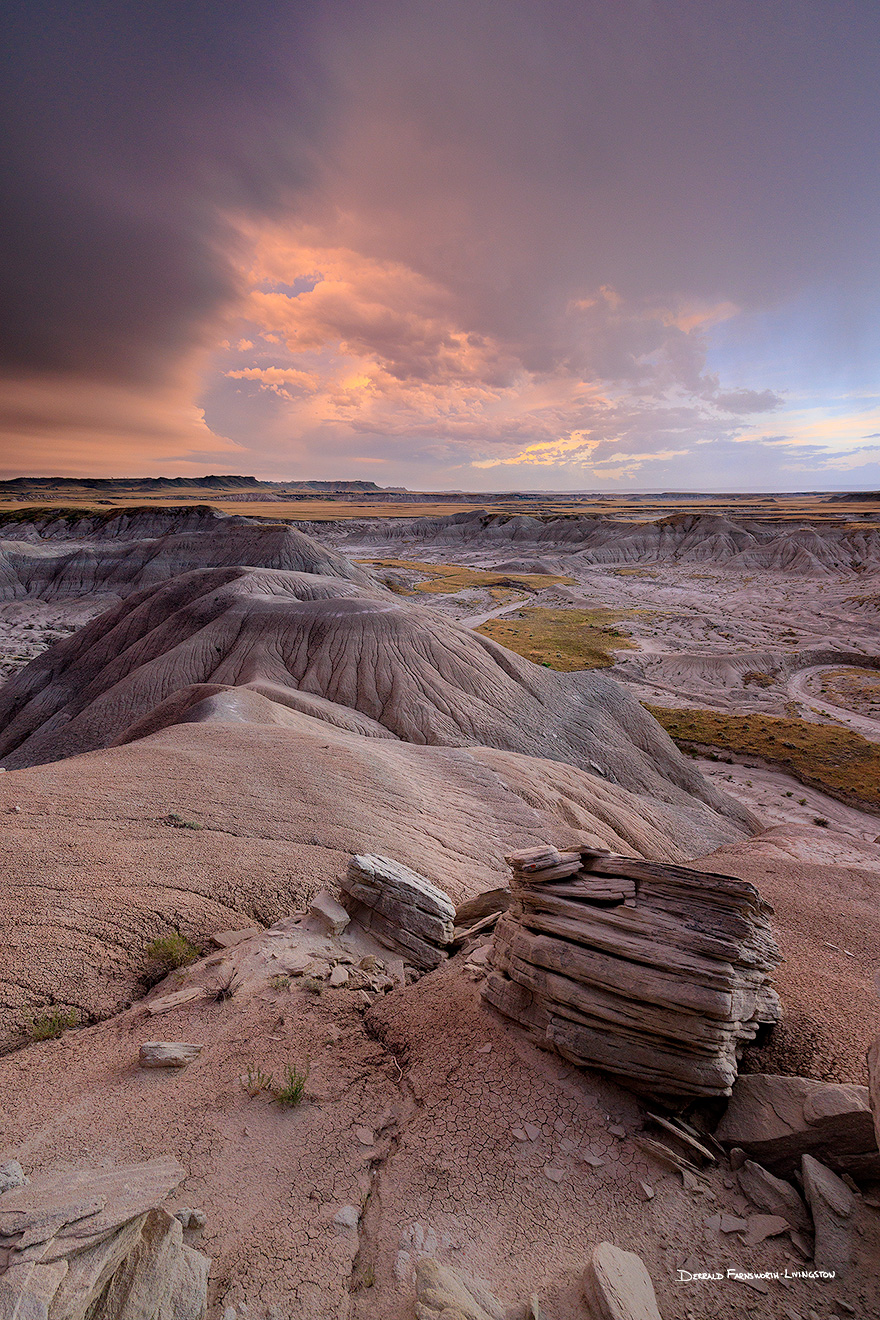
(131, 133)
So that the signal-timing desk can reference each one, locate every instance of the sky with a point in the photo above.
(465, 245)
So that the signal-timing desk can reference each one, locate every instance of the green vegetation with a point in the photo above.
(447, 579)
(291, 1091)
(52, 1023)
(179, 822)
(824, 756)
(758, 677)
(256, 1081)
(560, 639)
(171, 951)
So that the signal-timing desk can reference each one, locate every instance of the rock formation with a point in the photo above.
(99, 1244)
(402, 909)
(779, 1119)
(654, 973)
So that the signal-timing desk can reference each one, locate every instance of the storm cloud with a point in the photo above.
(354, 234)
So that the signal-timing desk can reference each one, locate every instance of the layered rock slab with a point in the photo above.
(655, 973)
(99, 1244)
(777, 1119)
(402, 909)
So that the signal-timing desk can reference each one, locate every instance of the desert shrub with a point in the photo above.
(51, 1023)
(171, 951)
(291, 1091)
(179, 822)
(256, 1081)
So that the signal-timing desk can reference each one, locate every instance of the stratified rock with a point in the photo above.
(779, 1119)
(618, 1286)
(773, 1195)
(97, 1244)
(483, 905)
(443, 1293)
(168, 1053)
(11, 1175)
(832, 1204)
(331, 915)
(402, 909)
(655, 973)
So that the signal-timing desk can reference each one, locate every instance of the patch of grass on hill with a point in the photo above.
(838, 761)
(447, 579)
(561, 639)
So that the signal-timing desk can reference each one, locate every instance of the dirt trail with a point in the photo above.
(799, 687)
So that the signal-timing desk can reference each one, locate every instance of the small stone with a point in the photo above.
(845, 1307)
(230, 1313)
(372, 964)
(555, 1175)
(483, 1049)
(594, 1161)
(737, 1158)
(338, 977)
(364, 1136)
(763, 1226)
(348, 1216)
(532, 1132)
(617, 1130)
(184, 1214)
(732, 1224)
(832, 1204)
(198, 1219)
(647, 1191)
(518, 1134)
(168, 1053)
(11, 1175)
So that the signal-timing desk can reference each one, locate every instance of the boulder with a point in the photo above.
(655, 973)
(443, 1293)
(832, 1204)
(773, 1195)
(777, 1119)
(400, 908)
(618, 1287)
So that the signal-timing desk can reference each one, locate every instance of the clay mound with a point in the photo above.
(684, 538)
(212, 825)
(422, 677)
(111, 565)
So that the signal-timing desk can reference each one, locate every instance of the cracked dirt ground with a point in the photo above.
(462, 1141)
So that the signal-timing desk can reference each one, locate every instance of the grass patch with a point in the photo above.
(255, 1081)
(292, 1089)
(171, 951)
(179, 822)
(52, 1023)
(447, 579)
(561, 639)
(838, 761)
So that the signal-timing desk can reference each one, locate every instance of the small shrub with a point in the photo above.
(171, 951)
(224, 990)
(179, 822)
(802, 802)
(52, 1023)
(312, 984)
(291, 1092)
(256, 1081)
(281, 982)
(821, 820)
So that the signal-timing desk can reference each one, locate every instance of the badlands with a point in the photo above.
(475, 993)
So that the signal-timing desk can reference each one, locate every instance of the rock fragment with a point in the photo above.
(443, 1293)
(773, 1195)
(618, 1286)
(168, 1053)
(832, 1204)
(329, 913)
(11, 1175)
